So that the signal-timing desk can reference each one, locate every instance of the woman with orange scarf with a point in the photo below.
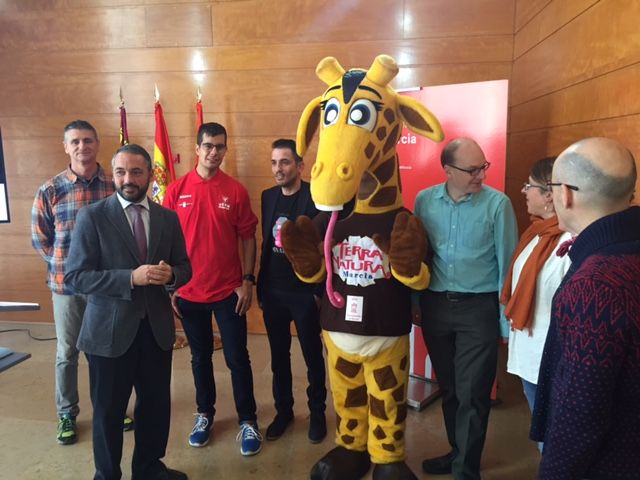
(532, 279)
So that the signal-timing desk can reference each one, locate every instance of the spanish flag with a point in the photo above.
(163, 170)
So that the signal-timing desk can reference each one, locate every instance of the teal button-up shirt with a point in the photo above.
(473, 240)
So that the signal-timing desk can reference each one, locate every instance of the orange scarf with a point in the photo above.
(519, 304)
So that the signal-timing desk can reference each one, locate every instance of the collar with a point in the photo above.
(73, 176)
(125, 203)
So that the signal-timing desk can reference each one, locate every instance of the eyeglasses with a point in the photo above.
(207, 147)
(474, 172)
(557, 184)
(526, 186)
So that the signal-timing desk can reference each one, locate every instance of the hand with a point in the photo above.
(160, 274)
(302, 246)
(245, 296)
(174, 306)
(407, 248)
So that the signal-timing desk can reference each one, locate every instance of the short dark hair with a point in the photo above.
(79, 125)
(134, 149)
(212, 129)
(447, 157)
(541, 170)
(287, 143)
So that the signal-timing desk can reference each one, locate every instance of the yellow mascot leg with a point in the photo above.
(350, 399)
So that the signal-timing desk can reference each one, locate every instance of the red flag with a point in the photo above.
(124, 133)
(162, 158)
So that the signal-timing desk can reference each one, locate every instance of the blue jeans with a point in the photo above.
(530, 394)
(68, 311)
(196, 320)
(279, 309)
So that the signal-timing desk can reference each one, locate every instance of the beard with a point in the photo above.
(135, 195)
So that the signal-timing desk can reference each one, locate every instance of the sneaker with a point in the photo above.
(200, 434)
(250, 439)
(66, 429)
(128, 424)
(317, 427)
(278, 426)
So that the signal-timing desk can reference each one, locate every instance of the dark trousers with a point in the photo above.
(461, 333)
(147, 368)
(279, 308)
(196, 320)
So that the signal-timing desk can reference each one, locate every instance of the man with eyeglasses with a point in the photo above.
(216, 216)
(472, 230)
(586, 409)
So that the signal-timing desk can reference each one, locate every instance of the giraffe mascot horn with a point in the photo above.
(375, 257)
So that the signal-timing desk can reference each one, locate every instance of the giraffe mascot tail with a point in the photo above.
(373, 258)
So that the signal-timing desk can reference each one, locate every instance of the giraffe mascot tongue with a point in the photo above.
(373, 258)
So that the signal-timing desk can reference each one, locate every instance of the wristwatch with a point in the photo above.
(250, 278)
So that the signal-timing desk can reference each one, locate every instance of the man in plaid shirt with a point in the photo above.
(52, 219)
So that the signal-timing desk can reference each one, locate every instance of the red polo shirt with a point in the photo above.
(214, 214)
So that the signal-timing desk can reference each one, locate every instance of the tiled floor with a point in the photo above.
(27, 424)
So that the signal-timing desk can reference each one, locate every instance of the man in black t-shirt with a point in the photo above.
(283, 297)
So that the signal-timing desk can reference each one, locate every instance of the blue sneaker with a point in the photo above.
(200, 434)
(250, 439)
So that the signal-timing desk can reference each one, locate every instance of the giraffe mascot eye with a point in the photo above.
(331, 112)
(363, 114)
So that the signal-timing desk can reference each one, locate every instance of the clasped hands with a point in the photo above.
(160, 274)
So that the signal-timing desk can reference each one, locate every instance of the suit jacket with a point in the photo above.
(102, 255)
(269, 201)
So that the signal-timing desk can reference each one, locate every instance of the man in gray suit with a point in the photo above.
(127, 254)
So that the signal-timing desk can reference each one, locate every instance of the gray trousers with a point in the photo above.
(68, 311)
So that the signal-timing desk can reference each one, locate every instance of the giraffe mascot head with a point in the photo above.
(374, 257)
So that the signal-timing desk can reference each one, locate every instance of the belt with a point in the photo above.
(460, 296)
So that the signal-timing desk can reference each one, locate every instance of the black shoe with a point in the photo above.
(317, 427)
(176, 475)
(439, 465)
(341, 464)
(393, 471)
(278, 426)
(166, 474)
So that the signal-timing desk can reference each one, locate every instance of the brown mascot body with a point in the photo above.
(374, 258)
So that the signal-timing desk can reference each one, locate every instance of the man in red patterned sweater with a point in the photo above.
(587, 408)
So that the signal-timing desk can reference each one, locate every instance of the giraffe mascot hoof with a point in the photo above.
(341, 464)
(374, 258)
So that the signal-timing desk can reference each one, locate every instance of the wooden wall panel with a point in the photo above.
(451, 50)
(556, 15)
(588, 46)
(461, 18)
(575, 74)
(526, 10)
(67, 59)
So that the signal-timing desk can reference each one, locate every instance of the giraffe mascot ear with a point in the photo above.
(419, 119)
(329, 71)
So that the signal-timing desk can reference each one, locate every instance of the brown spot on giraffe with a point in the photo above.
(378, 432)
(385, 171)
(392, 139)
(385, 196)
(384, 377)
(347, 368)
(389, 447)
(401, 414)
(352, 424)
(389, 116)
(368, 185)
(376, 407)
(356, 397)
(398, 435)
(381, 133)
(403, 363)
(369, 150)
(347, 439)
(398, 394)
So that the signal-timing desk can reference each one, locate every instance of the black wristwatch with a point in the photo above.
(250, 278)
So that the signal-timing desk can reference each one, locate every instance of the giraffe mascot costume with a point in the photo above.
(374, 258)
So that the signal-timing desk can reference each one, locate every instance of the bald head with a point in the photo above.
(593, 178)
(602, 168)
(465, 145)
